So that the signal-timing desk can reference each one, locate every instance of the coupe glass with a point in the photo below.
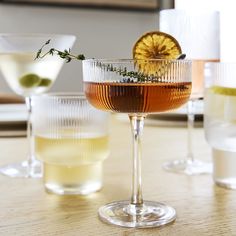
(26, 77)
(198, 35)
(138, 88)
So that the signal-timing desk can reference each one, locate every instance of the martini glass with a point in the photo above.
(198, 34)
(190, 165)
(26, 77)
(138, 88)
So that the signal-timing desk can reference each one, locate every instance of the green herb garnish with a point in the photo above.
(62, 54)
(130, 76)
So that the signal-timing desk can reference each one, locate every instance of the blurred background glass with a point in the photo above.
(198, 35)
(220, 120)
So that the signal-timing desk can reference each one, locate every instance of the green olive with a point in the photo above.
(45, 82)
(29, 80)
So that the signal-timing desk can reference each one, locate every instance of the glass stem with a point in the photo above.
(30, 138)
(137, 124)
(190, 127)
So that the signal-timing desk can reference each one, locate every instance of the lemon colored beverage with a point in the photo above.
(72, 164)
(220, 130)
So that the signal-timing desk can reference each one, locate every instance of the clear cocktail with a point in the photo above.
(27, 76)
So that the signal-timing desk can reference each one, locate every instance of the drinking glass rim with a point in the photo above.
(42, 35)
(63, 95)
(220, 63)
(192, 12)
(127, 60)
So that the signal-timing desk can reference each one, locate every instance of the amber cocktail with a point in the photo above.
(138, 88)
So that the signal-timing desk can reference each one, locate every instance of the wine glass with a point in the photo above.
(198, 35)
(138, 88)
(27, 76)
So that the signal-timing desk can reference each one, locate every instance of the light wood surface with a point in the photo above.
(202, 207)
(6, 98)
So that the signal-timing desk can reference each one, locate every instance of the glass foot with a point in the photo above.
(188, 167)
(152, 214)
(22, 170)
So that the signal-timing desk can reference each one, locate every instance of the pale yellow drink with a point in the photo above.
(72, 164)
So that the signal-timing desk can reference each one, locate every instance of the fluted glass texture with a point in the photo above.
(137, 86)
(71, 139)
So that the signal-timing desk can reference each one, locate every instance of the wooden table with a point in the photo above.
(202, 208)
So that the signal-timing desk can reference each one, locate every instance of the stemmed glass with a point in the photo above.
(138, 88)
(191, 165)
(198, 35)
(26, 77)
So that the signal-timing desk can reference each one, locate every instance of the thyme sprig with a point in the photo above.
(128, 76)
(66, 54)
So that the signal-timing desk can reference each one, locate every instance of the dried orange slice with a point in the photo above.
(155, 45)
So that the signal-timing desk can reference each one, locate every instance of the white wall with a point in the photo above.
(100, 33)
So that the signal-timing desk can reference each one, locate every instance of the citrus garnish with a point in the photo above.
(155, 45)
(223, 90)
(45, 82)
(29, 80)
